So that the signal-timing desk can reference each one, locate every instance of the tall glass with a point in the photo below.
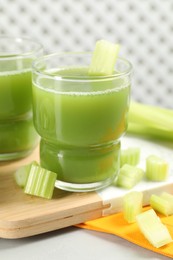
(17, 134)
(80, 119)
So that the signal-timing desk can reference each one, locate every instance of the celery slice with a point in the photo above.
(152, 228)
(161, 205)
(156, 168)
(167, 196)
(21, 175)
(132, 205)
(103, 59)
(40, 182)
(126, 182)
(129, 176)
(130, 156)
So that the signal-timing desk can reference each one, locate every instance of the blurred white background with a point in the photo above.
(143, 28)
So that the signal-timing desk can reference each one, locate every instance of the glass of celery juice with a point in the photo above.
(17, 133)
(80, 119)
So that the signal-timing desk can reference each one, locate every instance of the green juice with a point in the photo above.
(80, 121)
(15, 94)
(17, 133)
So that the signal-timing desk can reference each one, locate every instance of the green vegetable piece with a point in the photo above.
(40, 182)
(130, 156)
(161, 205)
(129, 176)
(156, 168)
(104, 58)
(132, 205)
(151, 227)
(150, 121)
(21, 175)
(167, 196)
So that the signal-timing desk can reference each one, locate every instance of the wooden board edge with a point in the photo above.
(53, 225)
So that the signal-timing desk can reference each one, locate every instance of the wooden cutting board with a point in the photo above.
(22, 215)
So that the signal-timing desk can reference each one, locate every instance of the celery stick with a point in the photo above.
(169, 198)
(150, 121)
(129, 176)
(151, 227)
(156, 168)
(132, 205)
(40, 182)
(130, 156)
(151, 115)
(161, 205)
(103, 59)
(125, 182)
(131, 172)
(153, 132)
(21, 175)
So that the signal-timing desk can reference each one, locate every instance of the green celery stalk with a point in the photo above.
(150, 121)
(161, 205)
(132, 205)
(21, 174)
(152, 228)
(129, 176)
(40, 182)
(156, 168)
(130, 156)
(104, 58)
(152, 115)
(167, 196)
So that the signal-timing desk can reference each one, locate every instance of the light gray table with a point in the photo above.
(73, 243)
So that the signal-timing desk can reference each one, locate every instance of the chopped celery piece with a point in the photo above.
(156, 168)
(150, 121)
(103, 59)
(126, 182)
(132, 205)
(130, 156)
(129, 176)
(40, 182)
(21, 175)
(161, 205)
(152, 228)
(167, 196)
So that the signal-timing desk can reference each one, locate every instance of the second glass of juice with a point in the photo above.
(17, 133)
(80, 119)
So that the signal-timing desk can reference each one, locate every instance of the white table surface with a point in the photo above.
(74, 243)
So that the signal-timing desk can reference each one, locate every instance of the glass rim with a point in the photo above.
(22, 54)
(79, 78)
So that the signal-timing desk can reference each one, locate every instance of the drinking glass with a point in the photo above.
(80, 119)
(17, 133)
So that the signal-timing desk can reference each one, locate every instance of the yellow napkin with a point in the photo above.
(115, 224)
